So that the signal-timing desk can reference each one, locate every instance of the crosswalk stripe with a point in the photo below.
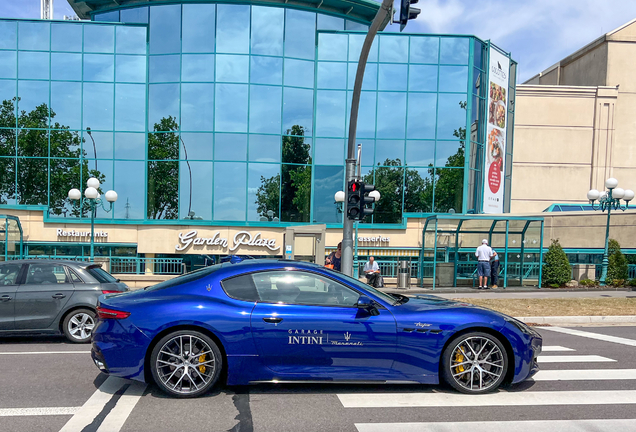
(601, 425)
(590, 335)
(43, 411)
(555, 348)
(585, 375)
(502, 398)
(573, 359)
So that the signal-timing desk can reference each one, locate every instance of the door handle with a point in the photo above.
(272, 320)
(5, 298)
(58, 296)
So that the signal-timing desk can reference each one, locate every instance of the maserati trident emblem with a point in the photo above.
(347, 336)
(208, 287)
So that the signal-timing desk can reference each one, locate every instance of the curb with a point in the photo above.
(557, 320)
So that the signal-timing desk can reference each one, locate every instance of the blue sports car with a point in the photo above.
(275, 321)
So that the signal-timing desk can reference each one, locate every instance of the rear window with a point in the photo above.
(101, 275)
(186, 278)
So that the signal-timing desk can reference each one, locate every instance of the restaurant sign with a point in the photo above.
(244, 238)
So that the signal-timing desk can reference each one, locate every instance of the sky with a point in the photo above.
(538, 33)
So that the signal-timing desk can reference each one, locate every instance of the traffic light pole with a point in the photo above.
(380, 21)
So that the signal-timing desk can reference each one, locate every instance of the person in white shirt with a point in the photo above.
(483, 254)
(372, 273)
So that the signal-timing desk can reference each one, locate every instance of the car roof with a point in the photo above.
(82, 264)
(272, 261)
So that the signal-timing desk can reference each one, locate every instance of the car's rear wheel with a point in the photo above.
(78, 325)
(186, 363)
(475, 363)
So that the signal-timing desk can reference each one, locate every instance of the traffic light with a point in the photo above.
(407, 12)
(354, 196)
(366, 199)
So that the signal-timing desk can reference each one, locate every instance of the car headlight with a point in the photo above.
(523, 327)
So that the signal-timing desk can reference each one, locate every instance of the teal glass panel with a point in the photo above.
(389, 150)
(354, 26)
(366, 114)
(197, 67)
(296, 193)
(105, 168)
(298, 109)
(130, 185)
(330, 113)
(394, 49)
(421, 113)
(329, 151)
(165, 29)
(232, 68)
(34, 35)
(300, 34)
(424, 49)
(32, 187)
(327, 181)
(454, 50)
(230, 191)
(66, 105)
(296, 148)
(8, 92)
(197, 107)
(265, 109)
(391, 115)
(418, 194)
(130, 107)
(8, 64)
(299, 73)
(450, 115)
(66, 66)
(267, 30)
(332, 75)
(355, 46)
(333, 46)
(449, 154)
(264, 148)
(327, 22)
(138, 15)
(453, 79)
(101, 149)
(370, 80)
(230, 147)
(420, 153)
(112, 16)
(99, 38)
(33, 65)
(131, 40)
(33, 143)
(392, 77)
(479, 55)
(130, 146)
(423, 78)
(66, 37)
(163, 102)
(231, 108)
(129, 68)
(99, 67)
(368, 151)
(198, 28)
(165, 68)
(449, 190)
(197, 146)
(233, 30)
(8, 35)
(98, 106)
(195, 190)
(263, 190)
(32, 94)
(266, 70)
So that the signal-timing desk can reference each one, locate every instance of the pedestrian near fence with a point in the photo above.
(483, 254)
(494, 270)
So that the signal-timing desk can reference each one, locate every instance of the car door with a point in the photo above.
(9, 274)
(309, 325)
(42, 296)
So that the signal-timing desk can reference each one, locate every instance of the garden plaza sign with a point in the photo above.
(244, 238)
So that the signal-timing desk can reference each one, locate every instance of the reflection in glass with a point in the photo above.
(8, 35)
(333, 46)
(65, 66)
(106, 181)
(389, 181)
(197, 107)
(33, 65)
(97, 145)
(130, 146)
(130, 68)
(32, 181)
(424, 49)
(34, 35)
(267, 30)
(230, 147)
(99, 38)
(7, 193)
(423, 78)
(198, 28)
(32, 94)
(130, 107)
(131, 188)
(421, 116)
(449, 154)
(329, 151)
(478, 55)
(163, 102)
(451, 115)
(265, 112)
(266, 70)
(264, 148)
(300, 34)
(327, 22)
(195, 189)
(418, 193)
(391, 115)
(394, 49)
(388, 150)
(263, 191)
(355, 46)
(66, 37)
(368, 151)
(352, 25)
(420, 153)
(449, 190)
(230, 191)
(130, 40)
(165, 68)
(370, 80)
(98, 106)
(99, 67)
(330, 113)
(8, 92)
(165, 29)
(231, 108)
(454, 50)
(332, 75)
(197, 67)
(453, 79)
(163, 176)
(299, 73)
(137, 15)
(112, 16)
(295, 192)
(33, 142)
(327, 181)
(198, 146)
(392, 77)
(366, 114)
(66, 104)
(298, 108)
(8, 64)
(232, 68)
(233, 30)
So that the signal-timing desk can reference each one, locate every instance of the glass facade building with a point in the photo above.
(225, 113)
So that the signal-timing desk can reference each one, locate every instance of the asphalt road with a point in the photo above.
(586, 383)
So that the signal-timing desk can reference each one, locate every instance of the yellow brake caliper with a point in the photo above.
(458, 359)
(202, 360)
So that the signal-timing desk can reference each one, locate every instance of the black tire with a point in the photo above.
(78, 325)
(461, 371)
(171, 356)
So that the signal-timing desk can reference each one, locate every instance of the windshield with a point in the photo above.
(188, 277)
(101, 275)
(384, 296)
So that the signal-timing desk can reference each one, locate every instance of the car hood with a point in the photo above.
(425, 304)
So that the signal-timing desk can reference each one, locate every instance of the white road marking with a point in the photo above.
(604, 425)
(590, 335)
(43, 352)
(585, 375)
(573, 359)
(126, 403)
(502, 398)
(12, 412)
(555, 348)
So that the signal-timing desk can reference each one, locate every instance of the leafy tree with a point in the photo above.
(617, 270)
(449, 183)
(556, 270)
(163, 170)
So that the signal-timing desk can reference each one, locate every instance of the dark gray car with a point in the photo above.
(52, 297)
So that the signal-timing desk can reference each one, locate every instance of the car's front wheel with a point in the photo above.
(474, 363)
(78, 325)
(186, 363)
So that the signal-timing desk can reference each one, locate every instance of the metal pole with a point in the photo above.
(356, 263)
(93, 207)
(540, 255)
(435, 255)
(605, 251)
(346, 265)
(505, 284)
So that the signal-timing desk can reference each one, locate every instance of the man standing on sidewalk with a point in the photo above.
(494, 270)
(483, 254)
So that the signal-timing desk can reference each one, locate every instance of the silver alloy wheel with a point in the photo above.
(477, 363)
(186, 364)
(81, 326)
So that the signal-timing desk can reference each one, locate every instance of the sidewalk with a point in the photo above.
(517, 292)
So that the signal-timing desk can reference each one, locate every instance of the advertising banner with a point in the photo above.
(495, 152)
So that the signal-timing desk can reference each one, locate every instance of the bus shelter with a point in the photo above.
(447, 257)
(11, 238)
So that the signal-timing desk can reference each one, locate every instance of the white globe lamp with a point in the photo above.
(339, 196)
(74, 194)
(618, 193)
(611, 183)
(111, 196)
(91, 193)
(629, 195)
(375, 195)
(593, 195)
(92, 182)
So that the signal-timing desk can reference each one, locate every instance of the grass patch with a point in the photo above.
(559, 307)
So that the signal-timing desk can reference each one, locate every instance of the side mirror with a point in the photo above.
(366, 303)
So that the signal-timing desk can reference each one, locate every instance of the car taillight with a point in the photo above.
(110, 292)
(104, 313)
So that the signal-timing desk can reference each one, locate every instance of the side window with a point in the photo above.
(9, 273)
(74, 277)
(293, 287)
(45, 274)
(240, 288)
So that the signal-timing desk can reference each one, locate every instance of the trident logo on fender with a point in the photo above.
(347, 336)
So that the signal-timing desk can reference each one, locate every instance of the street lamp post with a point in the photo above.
(608, 200)
(94, 201)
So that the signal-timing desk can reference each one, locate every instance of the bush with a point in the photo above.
(632, 283)
(617, 269)
(556, 270)
(588, 282)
